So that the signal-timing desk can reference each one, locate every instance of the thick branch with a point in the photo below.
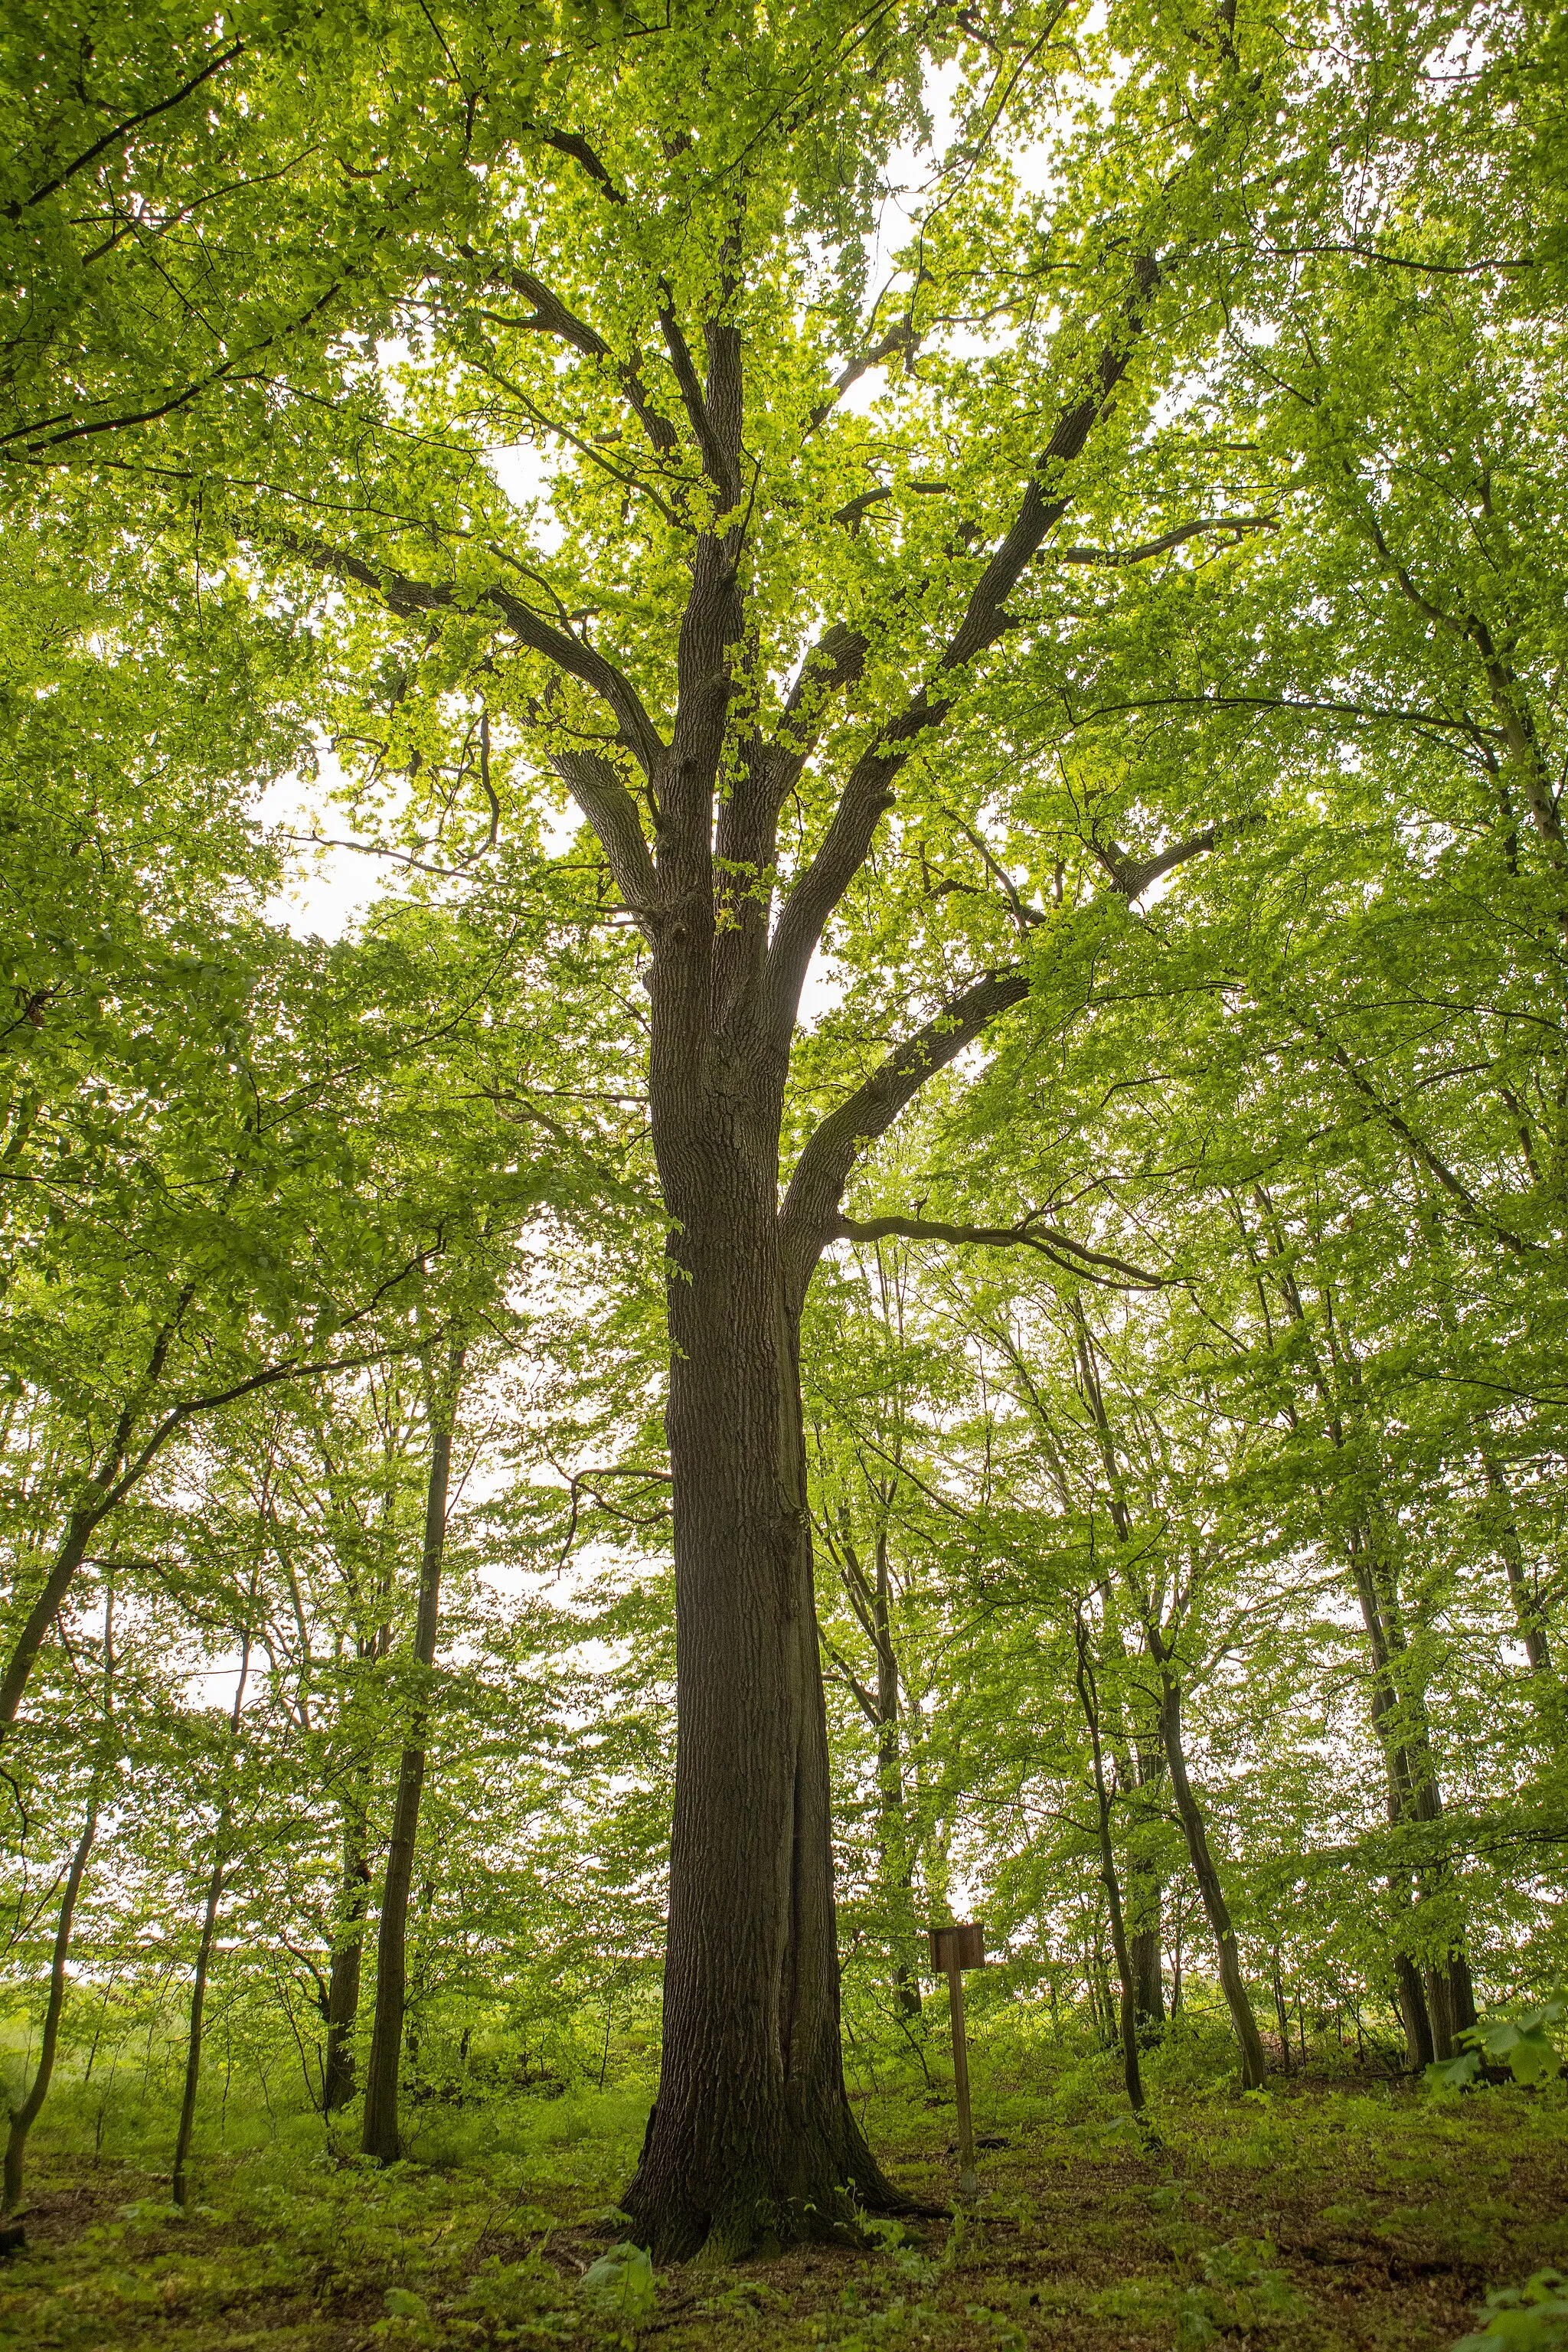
(901, 338)
(1133, 879)
(869, 792)
(406, 596)
(552, 316)
(611, 811)
(1028, 1233)
(811, 1203)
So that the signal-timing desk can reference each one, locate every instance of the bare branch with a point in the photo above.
(1028, 1233)
(1240, 525)
(407, 596)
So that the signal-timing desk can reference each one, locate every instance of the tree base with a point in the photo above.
(765, 2208)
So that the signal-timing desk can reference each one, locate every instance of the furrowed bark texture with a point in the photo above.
(752, 2136)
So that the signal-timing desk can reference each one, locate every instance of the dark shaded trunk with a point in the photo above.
(1254, 2065)
(1146, 1896)
(337, 2084)
(752, 2137)
(1282, 2014)
(381, 2136)
(25, 2115)
(1413, 2011)
(1128, 2006)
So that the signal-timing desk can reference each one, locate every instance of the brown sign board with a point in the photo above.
(959, 1946)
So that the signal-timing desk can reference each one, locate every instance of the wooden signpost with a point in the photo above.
(953, 1949)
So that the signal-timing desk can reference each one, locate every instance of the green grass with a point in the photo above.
(1323, 2216)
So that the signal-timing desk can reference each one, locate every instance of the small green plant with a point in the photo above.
(1529, 2319)
(620, 2285)
(1523, 2044)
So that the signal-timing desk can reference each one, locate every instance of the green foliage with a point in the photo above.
(1523, 2044)
(1534, 2317)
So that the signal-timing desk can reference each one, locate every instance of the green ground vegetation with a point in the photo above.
(1341, 2212)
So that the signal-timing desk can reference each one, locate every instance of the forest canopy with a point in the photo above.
(785, 1114)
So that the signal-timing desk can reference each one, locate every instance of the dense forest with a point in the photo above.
(784, 1109)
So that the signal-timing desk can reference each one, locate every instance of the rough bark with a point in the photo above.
(381, 2136)
(1254, 2065)
(752, 2137)
(751, 2133)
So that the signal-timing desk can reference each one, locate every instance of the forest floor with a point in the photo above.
(1320, 2216)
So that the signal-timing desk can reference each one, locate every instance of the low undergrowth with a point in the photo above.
(1323, 2215)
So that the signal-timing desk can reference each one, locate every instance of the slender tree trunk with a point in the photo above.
(381, 2136)
(1547, 1693)
(1131, 2074)
(1281, 2013)
(80, 1528)
(1399, 1719)
(344, 1977)
(25, 2115)
(193, 2042)
(1144, 1900)
(216, 1884)
(894, 1860)
(1254, 2065)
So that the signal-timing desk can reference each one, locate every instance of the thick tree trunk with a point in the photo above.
(25, 2115)
(381, 2136)
(344, 1977)
(1254, 2065)
(751, 2139)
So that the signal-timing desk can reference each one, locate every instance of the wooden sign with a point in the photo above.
(959, 1946)
(953, 1949)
